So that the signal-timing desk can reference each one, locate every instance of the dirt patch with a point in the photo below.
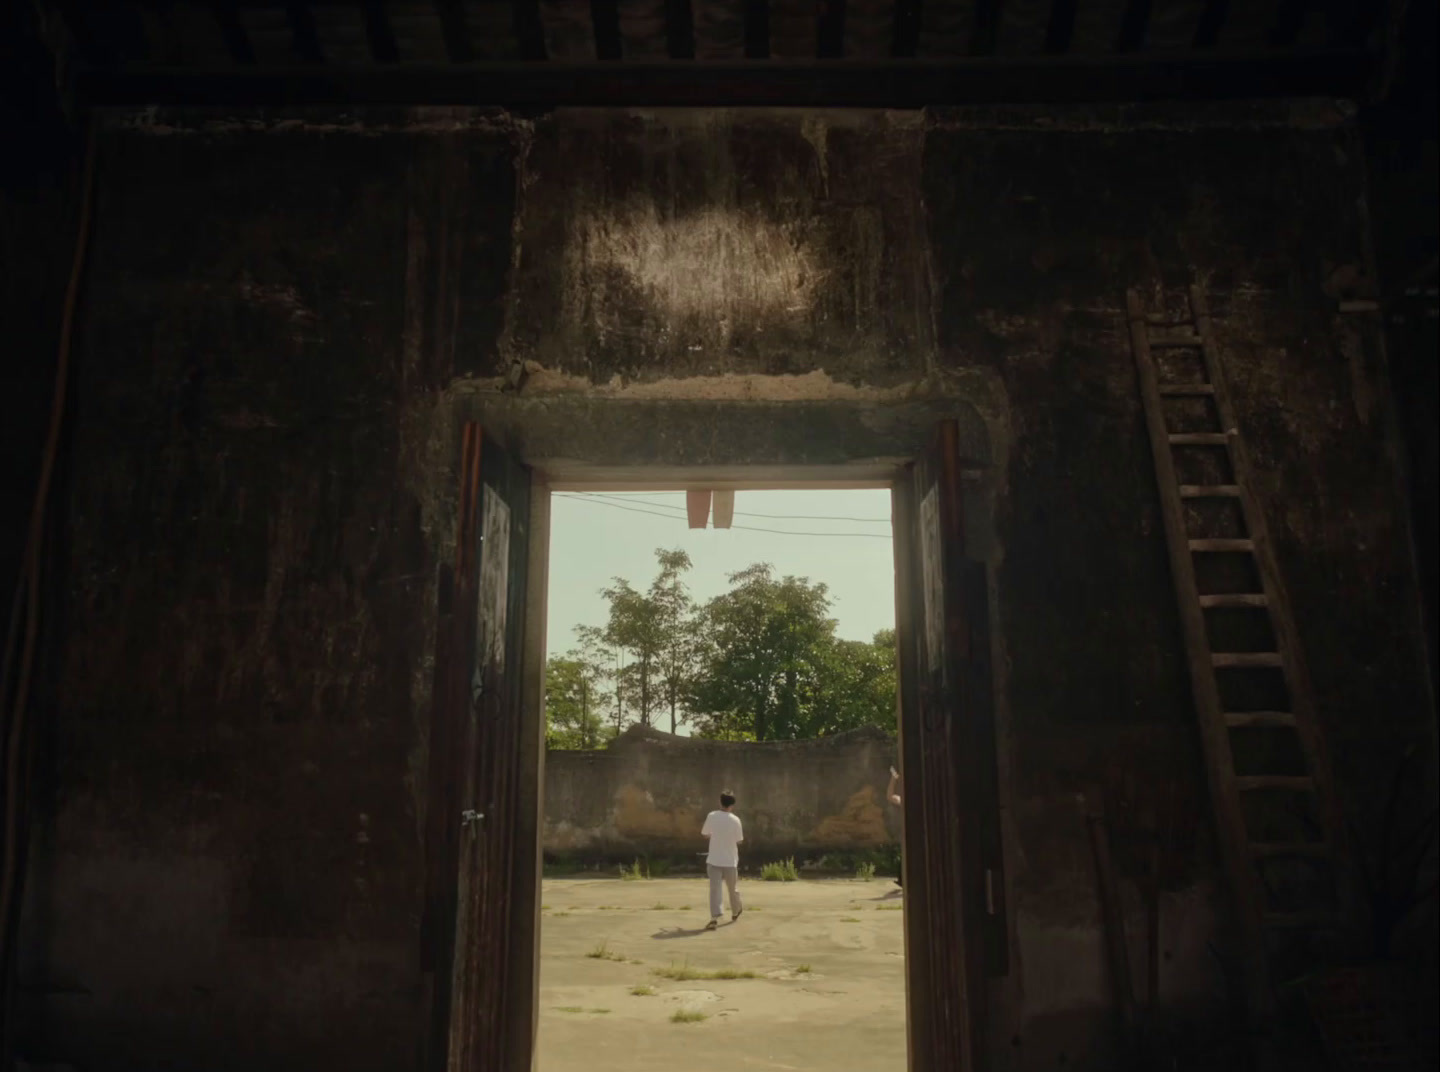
(770, 1015)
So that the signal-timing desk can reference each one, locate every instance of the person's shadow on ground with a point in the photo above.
(681, 932)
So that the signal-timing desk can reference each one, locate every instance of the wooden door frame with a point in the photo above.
(890, 474)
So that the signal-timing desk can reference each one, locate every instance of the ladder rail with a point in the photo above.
(1233, 837)
(1282, 621)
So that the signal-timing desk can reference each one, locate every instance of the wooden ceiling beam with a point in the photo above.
(830, 33)
(757, 29)
(1061, 28)
(232, 31)
(605, 24)
(302, 29)
(1133, 26)
(987, 28)
(379, 32)
(529, 29)
(679, 29)
(906, 41)
(455, 30)
(82, 31)
(1289, 20)
(911, 84)
(1364, 17)
(1212, 21)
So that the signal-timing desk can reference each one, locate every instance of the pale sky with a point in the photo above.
(594, 538)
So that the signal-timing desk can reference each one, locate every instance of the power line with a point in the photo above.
(747, 528)
(746, 513)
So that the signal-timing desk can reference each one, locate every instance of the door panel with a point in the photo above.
(954, 918)
(475, 804)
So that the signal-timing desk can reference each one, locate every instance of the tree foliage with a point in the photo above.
(653, 628)
(773, 669)
(760, 662)
(574, 704)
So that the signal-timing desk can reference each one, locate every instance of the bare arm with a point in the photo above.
(890, 792)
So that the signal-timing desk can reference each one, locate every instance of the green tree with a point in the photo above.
(858, 686)
(603, 665)
(651, 629)
(679, 654)
(767, 649)
(574, 698)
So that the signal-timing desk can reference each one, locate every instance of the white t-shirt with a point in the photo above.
(725, 833)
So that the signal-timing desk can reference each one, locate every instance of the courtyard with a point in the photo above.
(810, 977)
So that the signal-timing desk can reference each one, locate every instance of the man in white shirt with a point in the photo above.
(723, 860)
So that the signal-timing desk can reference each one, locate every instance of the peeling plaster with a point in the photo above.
(724, 265)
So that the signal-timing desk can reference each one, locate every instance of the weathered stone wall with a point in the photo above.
(649, 792)
(286, 318)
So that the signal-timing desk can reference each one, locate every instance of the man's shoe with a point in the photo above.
(714, 923)
(735, 915)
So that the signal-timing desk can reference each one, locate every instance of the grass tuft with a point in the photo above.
(643, 990)
(683, 972)
(865, 871)
(686, 1016)
(602, 952)
(780, 871)
(802, 969)
(636, 872)
(848, 919)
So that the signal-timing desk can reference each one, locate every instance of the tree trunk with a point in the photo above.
(788, 703)
(645, 691)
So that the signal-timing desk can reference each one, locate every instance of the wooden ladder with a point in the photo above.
(1275, 814)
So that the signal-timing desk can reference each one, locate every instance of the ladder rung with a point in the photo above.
(1187, 389)
(1314, 849)
(1175, 342)
(1298, 783)
(1235, 599)
(1222, 545)
(1304, 919)
(1277, 719)
(1209, 491)
(1199, 439)
(1236, 660)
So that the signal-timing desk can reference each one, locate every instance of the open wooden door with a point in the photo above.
(954, 920)
(476, 797)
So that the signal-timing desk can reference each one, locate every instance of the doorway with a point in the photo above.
(484, 878)
(754, 655)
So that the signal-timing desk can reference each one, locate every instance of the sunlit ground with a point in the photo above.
(810, 977)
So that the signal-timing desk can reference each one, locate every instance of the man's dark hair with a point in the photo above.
(727, 798)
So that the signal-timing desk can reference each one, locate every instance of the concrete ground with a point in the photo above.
(828, 991)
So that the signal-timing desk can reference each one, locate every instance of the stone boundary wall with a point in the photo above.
(649, 792)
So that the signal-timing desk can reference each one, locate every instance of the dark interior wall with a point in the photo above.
(1403, 157)
(38, 210)
(1267, 217)
(229, 869)
(230, 873)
